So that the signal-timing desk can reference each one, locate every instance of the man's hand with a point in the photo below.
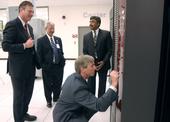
(29, 43)
(99, 65)
(114, 77)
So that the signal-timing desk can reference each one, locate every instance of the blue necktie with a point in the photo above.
(55, 52)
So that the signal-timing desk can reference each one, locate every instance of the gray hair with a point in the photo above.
(49, 23)
(82, 62)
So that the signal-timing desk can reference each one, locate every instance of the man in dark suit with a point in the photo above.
(18, 42)
(98, 43)
(76, 103)
(51, 56)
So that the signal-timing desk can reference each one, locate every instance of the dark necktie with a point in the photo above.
(55, 52)
(26, 30)
(94, 40)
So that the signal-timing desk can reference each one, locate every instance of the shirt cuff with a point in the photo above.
(24, 46)
(113, 88)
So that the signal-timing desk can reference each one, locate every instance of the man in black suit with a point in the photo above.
(51, 56)
(98, 43)
(18, 42)
(76, 103)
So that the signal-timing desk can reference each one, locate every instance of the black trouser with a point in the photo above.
(22, 93)
(52, 79)
(102, 82)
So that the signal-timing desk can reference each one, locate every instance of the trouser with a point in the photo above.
(52, 80)
(22, 93)
(102, 82)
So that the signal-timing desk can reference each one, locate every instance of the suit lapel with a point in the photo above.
(19, 24)
(91, 39)
(21, 28)
(98, 38)
(30, 31)
(47, 42)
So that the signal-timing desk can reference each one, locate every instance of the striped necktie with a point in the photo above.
(94, 38)
(26, 30)
(55, 52)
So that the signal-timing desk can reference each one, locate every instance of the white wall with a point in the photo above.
(76, 16)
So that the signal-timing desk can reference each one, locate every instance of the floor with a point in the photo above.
(38, 104)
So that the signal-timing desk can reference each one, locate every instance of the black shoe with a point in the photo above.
(49, 105)
(28, 117)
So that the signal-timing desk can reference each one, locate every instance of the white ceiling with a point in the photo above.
(6, 3)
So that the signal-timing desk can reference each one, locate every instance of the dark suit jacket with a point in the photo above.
(21, 62)
(45, 52)
(103, 46)
(76, 101)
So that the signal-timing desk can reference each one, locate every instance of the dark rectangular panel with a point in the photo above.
(142, 58)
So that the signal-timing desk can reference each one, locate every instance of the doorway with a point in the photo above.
(81, 31)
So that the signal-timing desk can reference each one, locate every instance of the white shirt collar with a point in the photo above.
(23, 23)
(49, 37)
(97, 31)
